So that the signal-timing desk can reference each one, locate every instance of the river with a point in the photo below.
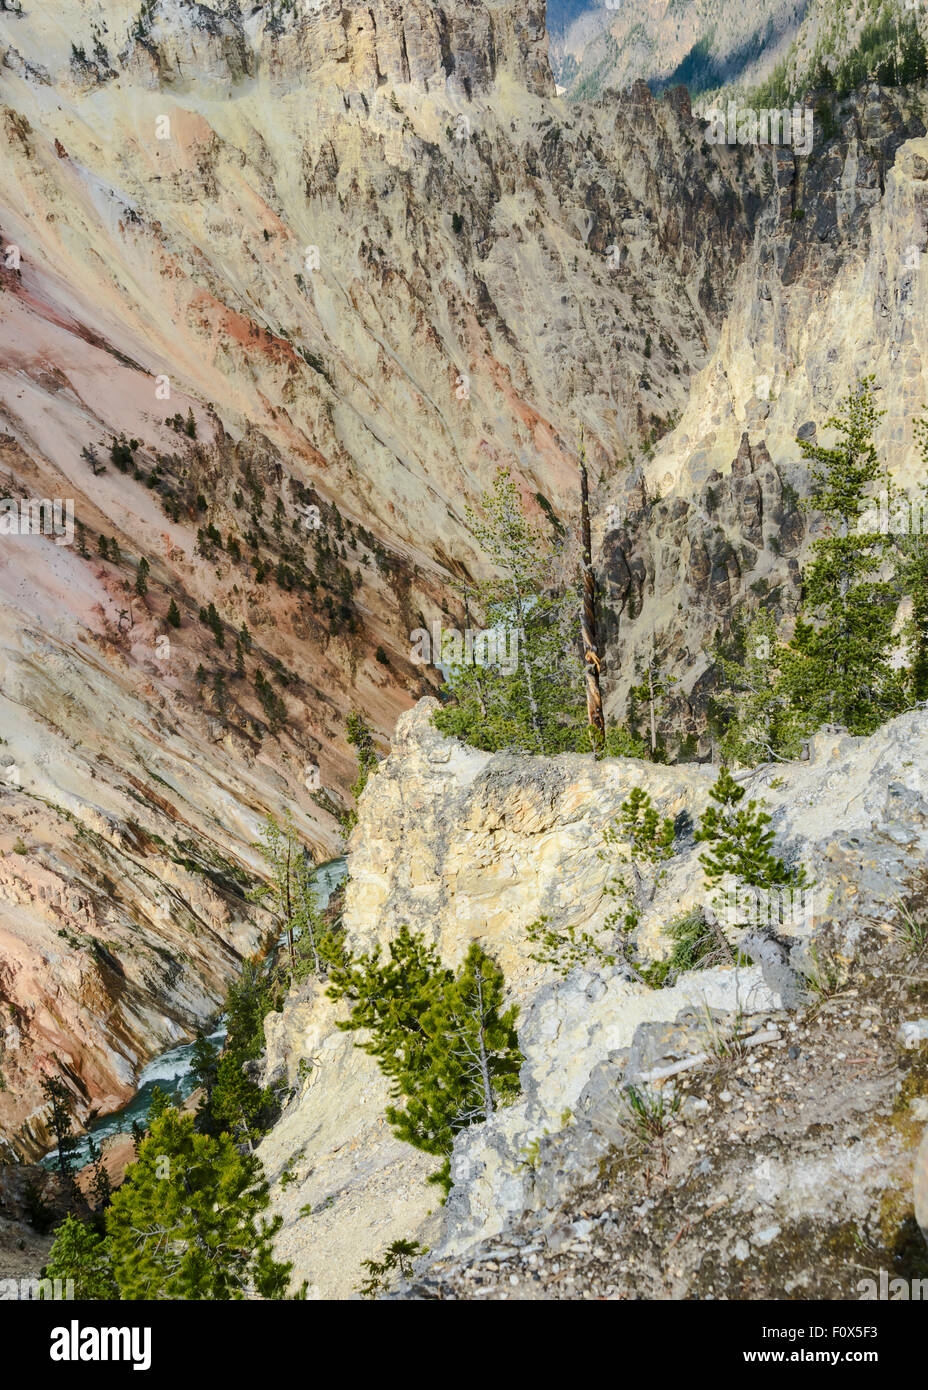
(171, 1071)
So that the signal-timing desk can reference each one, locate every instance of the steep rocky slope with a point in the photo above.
(702, 43)
(708, 45)
(297, 280)
(279, 290)
(800, 1080)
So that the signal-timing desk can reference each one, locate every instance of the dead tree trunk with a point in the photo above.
(289, 905)
(594, 699)
(484, 1061)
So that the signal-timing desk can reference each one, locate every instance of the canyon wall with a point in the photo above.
(707, 526)
(279, 291)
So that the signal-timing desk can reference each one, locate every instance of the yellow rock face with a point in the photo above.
(288, 262)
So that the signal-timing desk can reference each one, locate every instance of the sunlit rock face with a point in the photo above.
(818, 1117)
(299, 284)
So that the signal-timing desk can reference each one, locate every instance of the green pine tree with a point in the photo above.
(249, 1000)
(839, 666)
(290, 894)
(160, 1101)
(450, 1052)
(274, 706)
(59, 1098)
(913, 578)
(101, 1188)
(209, 616)
(361, 736)
(469, 1066)
(173, 614)
(81, 1253)
(540, 705)
(141, 577)
(649, 839)
(641, 841)
(390, 1000)
(397, 1260)
(204, 1066)
(913, 57)
(235, 1103)
(238, 1107)
(739, 841)
(762, 723)
(188, 1221)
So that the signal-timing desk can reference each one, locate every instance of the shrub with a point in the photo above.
(445, 1042)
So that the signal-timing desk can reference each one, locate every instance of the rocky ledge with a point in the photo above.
(786, 1097)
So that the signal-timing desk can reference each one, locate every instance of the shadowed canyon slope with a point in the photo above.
(708, 45)
(702, 43)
